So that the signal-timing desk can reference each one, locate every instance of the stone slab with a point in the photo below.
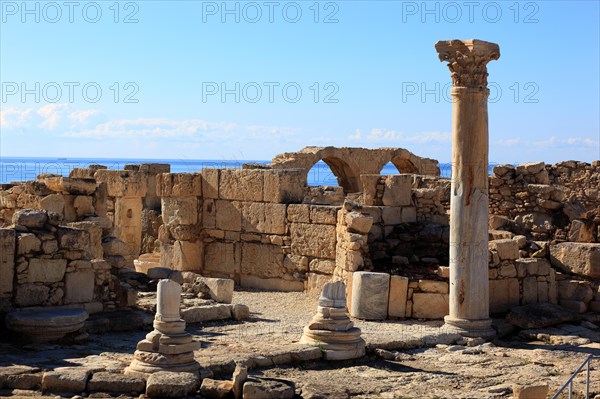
(539, 316)
(398, 296)
(370, 294)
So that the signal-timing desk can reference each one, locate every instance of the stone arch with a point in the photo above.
(347, 178)
(404, 165)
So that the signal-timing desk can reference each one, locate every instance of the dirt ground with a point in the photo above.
(439, 370)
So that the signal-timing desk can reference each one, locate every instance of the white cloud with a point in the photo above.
(52, 114)
(94, 124)
(14, 118)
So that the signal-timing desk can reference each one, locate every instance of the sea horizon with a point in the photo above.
(18, 169)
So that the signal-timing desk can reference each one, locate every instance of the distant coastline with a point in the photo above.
(14, 169)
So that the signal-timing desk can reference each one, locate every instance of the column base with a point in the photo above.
(470, 328)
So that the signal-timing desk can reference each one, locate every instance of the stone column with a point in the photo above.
(469, 285)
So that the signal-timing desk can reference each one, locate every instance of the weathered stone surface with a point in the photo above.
(262, 260)
(210, 182)
(27, 243)
(179, 184)
(530, 168)
(537, 391)
(429, 306)
(358, 223)
(229, 215)
(121, 183)
(298, 213)
(323, 266)
(539, 316)
(46, 270)
(530, 294)
(179, 210)
(439, 287)
(370, 293)
(268, 389)
(94, 229)
(398, 296)
(31, 294)
(187, 256)
(65, 379)
(30, 218)
(241, 184)
(391, 215)
(323, 214)
(53, 203)
(240, 375)
(113, 246)
(196, 314)
(504, 294)
(263, 218)
(7, 259)
(128, 223)
(578, 258)
(46, 325)
(79, 286)
(313, 240)
(271, 284)
(581, 231)
(409, 214)
(69, 185)
(220, 289)
(284, 186)
(397, 190)
(215, 389)
(315, 282)
(115, 382)
(21, 380)
(240, 312)
(220, 257)
(166, 384)
(507, 248)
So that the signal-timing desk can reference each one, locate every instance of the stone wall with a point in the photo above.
(264, 228)
(249, 225)
(72, 199)
(47, 263)
(547, 202)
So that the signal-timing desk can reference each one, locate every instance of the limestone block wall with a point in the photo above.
(247, 224)
(46, 263)
(520, 273)
(72, 199)
(125, 193)
(181, 213)
(352, 250)
(547, 202)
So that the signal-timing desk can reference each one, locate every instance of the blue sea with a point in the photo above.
(14, 169)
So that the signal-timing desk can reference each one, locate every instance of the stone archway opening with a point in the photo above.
(333, 171)
(321, 175)
(403, 165)
(389, 169)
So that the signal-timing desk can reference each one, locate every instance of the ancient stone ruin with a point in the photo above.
(105, 251)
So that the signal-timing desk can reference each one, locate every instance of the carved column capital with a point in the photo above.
(467, 60)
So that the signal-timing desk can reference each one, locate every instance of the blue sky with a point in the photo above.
(145, 79)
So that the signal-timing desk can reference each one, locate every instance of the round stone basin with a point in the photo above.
(46, 325)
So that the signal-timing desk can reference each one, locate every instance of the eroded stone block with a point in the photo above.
(398, 296)
(313, 240)
(429, 306)
(241, 184)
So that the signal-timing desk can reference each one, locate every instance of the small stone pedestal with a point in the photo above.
(331, 329)
(168, 347)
